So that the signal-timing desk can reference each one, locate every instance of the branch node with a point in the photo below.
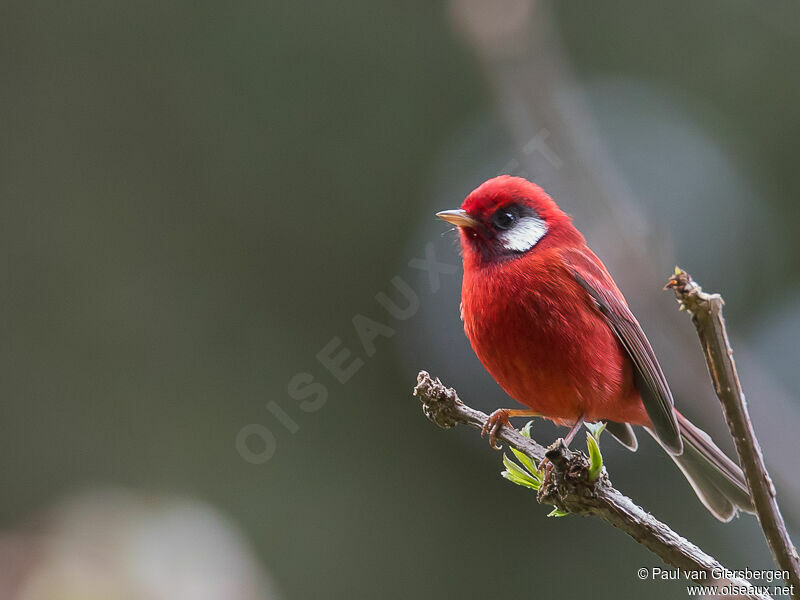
(690, 294)
(569, 486)
(438, 402)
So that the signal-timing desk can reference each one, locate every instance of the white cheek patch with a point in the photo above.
(524, 234)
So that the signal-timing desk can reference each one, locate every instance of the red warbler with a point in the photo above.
(550, 325)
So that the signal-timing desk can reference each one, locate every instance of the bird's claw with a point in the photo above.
(493, 424)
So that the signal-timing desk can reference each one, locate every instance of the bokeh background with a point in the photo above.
(199, 197)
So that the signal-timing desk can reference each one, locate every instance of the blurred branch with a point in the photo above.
(706, 312)
(569, 487)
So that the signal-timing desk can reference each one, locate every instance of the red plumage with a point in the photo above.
(548, 322)
(535, 329)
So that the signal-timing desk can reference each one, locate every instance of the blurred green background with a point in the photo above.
(199, 196)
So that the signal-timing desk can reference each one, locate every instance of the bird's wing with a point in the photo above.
(593, 277)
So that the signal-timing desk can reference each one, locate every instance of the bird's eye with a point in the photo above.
(503, 219)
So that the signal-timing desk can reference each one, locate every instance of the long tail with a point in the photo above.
(715, 478)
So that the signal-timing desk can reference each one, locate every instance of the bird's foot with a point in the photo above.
(493, 424)
(499, 418)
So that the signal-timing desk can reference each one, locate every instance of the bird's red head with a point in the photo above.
(506, 217)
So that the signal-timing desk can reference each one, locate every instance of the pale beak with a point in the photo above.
(458, 217)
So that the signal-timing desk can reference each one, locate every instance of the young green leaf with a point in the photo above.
(557, 512)
(526, 431)
(596, 429)
(518, 475)
(595, 457)
(527, 462)
(513, 478)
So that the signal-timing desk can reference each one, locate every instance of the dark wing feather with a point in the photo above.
(624, 434)
(649, 378)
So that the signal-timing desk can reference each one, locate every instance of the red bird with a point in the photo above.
(550, 325)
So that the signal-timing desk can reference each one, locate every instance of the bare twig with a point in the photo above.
(706, 311)
(569, 487)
